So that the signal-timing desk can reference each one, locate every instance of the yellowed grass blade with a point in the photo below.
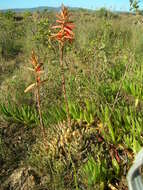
(30, 87)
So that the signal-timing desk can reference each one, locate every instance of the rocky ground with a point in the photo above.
(14, 173)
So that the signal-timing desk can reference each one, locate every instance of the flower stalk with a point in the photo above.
(65, 34)
(61, 49)
(37, 70)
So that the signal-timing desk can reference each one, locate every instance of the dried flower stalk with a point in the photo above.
(37, 69)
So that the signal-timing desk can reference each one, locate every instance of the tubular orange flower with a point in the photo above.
(65, 25)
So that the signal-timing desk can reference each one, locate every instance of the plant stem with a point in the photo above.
(40, 114)
(61, 48)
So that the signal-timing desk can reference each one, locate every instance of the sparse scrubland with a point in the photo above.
(90, 95)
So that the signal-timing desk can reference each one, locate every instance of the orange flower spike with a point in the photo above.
(65, 27)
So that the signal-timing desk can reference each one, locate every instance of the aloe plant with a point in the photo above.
(95, 172)
(25, 114)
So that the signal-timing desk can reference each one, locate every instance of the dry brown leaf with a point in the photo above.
(30, 87)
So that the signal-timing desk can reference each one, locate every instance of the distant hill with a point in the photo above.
(38, 9)
(32, 9)
(55, 9)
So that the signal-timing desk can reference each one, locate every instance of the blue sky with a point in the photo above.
(94, 4)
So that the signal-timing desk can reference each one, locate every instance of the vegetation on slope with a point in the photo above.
(103, 71)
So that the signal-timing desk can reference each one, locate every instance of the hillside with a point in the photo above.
(33, 9)
(71, 101)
